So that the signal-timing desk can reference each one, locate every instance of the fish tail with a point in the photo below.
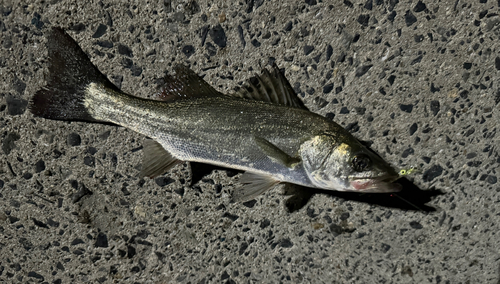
(70, 73)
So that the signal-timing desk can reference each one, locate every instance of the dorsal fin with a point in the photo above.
(270, 87)
(185, 84)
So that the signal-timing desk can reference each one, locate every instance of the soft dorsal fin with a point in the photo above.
(185, 84)
(270, 86)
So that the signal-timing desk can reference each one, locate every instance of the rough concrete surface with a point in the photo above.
(416, 79)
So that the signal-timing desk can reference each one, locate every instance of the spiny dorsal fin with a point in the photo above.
(270, 87)
(253, 185)
(185, 84)
(156, 160)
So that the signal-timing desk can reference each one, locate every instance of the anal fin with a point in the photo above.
(156, 159)
(253, 185)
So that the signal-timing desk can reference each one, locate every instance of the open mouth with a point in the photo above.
(380, 184)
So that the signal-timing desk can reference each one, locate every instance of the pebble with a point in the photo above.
(222, 17)
(73, 139)
(218, 36)
(100, 31)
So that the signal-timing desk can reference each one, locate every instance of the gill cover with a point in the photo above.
(323, 160)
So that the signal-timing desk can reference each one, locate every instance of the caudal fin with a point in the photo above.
(70, 72)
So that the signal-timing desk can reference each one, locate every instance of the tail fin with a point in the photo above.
(70, 72)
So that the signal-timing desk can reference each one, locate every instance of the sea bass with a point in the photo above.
(262, 129)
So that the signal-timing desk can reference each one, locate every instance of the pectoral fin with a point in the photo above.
(253, 185)
(276, 153)
(156, 159)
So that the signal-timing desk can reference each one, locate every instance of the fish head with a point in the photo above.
(346, 165)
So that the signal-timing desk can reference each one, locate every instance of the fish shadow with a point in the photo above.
(410, 198)
(201, 170)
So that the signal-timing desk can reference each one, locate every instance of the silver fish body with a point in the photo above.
(262, 130)
(218, 130)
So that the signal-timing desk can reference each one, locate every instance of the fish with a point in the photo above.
(262, 129)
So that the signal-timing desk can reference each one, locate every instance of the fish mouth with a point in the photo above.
(379, 184)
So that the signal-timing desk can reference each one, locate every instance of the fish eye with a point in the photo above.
(361, 162)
